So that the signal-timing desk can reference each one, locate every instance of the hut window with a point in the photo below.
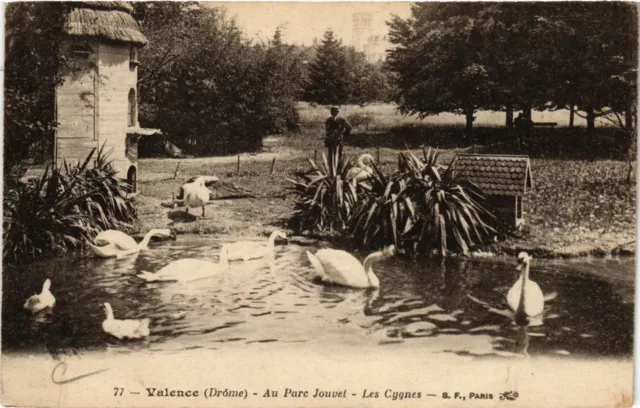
(131, 112)
(81, 50)
(133, 57)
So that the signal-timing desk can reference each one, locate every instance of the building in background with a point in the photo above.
(373, 45)
(96, 104)
(362, 30)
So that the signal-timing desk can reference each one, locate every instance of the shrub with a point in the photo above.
(421, 208)
(63, 208)
(324, 197)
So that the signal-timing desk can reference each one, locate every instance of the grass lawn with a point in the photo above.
(576, 207)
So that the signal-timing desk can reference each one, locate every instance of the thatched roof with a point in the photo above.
(111, 20)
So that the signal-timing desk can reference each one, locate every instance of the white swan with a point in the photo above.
(525, 300)
(42, 301)
(112, 243)
(124, 329)
(188, 269)
(363, 171)
(342, 268)
(196, 194)
(246, 250)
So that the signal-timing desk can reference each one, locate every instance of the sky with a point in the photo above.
(302, 21)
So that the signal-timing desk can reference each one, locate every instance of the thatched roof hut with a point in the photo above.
(111, 20)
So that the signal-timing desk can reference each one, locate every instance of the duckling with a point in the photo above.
(44, 300)
(124, 329)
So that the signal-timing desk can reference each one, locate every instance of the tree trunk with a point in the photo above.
(591, 119)
(572, 114)
(526, 112)
(509, 118)
(628, 119)
(470, 119)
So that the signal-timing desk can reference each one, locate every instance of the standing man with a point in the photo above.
(338, 129)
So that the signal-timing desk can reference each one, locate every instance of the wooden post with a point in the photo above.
(273, 162)
(378, 149)
(175, 173)
(238, 169)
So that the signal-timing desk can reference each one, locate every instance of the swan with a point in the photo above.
(342, 268)
(196, 194)
(363, 171)
(42, 301)
(188, 269)
(245, 250)
(526, 301)
(124, 329)
(112, 243)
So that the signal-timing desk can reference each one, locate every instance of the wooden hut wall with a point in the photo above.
(117, 78)
(76, 104)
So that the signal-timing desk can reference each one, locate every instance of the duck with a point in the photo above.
(341, 268)
(525, 300)
(362, 171)
(246, 250)
(196, 194)
(124, 329)
(112, 243)
(188, 269)
(44, 300)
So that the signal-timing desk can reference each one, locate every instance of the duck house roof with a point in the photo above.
(496, 174)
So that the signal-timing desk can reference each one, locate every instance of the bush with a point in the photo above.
(361, 119)
(421, 208)
(325, 197)
(62, 209)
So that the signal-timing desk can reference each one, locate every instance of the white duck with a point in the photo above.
(363, 171)
(44, 300)
(525, 300)
(246, 250)
(196, 194)
(188, 269)
(112, 243)
(124, 329)
(342, 268)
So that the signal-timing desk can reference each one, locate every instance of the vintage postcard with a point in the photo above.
(319, 204)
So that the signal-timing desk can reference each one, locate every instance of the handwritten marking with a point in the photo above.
(69, 380)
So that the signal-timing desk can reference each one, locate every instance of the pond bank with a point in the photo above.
(576, 208)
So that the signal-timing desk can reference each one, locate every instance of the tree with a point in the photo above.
(329, 74)
(437, 61)
(280, 85)
(207, 87)
(34, 32)
(595, 59)
(456, 57)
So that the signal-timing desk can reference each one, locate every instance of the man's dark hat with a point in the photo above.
(334, 108)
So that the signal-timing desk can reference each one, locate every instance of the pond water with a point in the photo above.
(423, 303)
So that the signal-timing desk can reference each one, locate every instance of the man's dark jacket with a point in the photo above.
(337, 130)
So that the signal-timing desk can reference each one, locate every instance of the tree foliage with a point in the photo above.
(33, 34)
(207, 87)
(338, 75)
(458, 57)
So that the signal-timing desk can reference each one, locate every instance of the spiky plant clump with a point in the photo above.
(420, 208)
(325, 197)
(63, 208)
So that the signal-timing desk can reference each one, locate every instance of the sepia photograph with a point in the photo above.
(319, 204)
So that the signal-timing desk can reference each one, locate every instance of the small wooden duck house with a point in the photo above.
(96, 103)
(503, 181)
